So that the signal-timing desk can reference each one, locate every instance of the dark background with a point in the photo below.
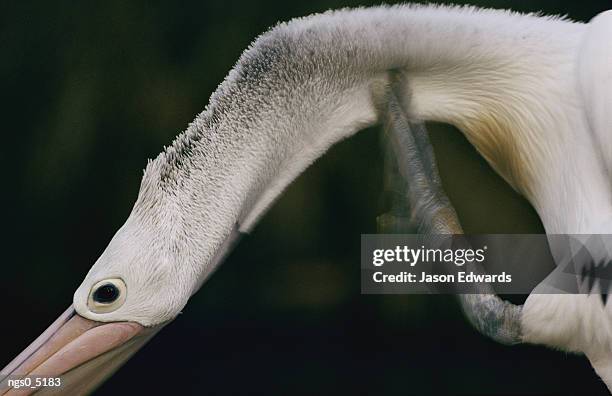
(89, 92)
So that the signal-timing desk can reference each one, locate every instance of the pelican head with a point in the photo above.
(153, 264)
(139, 278)
(131, 292)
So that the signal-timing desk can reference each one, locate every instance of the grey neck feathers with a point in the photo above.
(298, 89)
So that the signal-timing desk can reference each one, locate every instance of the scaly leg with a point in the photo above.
(420, 206)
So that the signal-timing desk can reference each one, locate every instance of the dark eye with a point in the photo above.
(106, 294)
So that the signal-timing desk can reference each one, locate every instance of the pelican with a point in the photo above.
(532, 93)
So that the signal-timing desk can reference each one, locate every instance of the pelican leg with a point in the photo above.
(418, 202)
(420, 206)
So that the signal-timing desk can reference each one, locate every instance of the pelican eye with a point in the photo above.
(107, 295)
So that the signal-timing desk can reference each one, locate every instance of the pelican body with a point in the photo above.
(532, 93)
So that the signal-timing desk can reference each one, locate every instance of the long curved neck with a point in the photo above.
(309, 83)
